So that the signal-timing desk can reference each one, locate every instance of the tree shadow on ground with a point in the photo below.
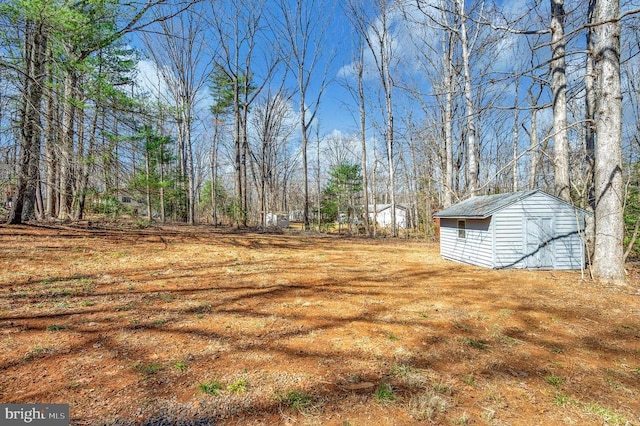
(291, 322)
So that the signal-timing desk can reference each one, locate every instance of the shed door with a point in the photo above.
(539, 242)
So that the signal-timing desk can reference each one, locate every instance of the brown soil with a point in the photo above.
(125, 325)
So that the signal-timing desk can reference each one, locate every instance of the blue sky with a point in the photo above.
(338, 110)
(336, 48)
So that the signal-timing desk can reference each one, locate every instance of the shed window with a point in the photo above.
(462, 229)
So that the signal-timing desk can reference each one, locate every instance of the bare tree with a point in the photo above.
(514, 159)
(303, 27)
(533, 133)
(223, 103)
(272, 122)
(608, 257)
(357, 91)
(447, 56)
(178, 50)
(363, 138)
(472, 147)
(239, 27)
(559, 91)
(436, 56)
(590, 132)
(374, 25)
(339, 149)
(67, 137)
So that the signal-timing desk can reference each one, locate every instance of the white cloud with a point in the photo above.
(401, 32)
(150, 82)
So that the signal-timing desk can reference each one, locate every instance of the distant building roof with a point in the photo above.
(381, 207)
(484, 206)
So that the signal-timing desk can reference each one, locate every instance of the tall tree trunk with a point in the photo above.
(67, 145)
(24, 203)
(608, 258)
(81, 182)
(51, 148)
(417, 186)
(163, 211)
(374, 192)
(590, 135)
(87, 167)
(387, 83)
(182, 162)
(448, 122)
(533, 138)
(514, 166)
(147, 170)
(263, 173)
(40, 203)
(319, 201)
(363, 142)
(243, 158)
(115, 148)
(472, 150)
(237, 147)
(213, 165)
(559, 89)
(305, 167)
(190, 168)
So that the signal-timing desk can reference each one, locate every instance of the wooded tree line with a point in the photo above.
(210, 111)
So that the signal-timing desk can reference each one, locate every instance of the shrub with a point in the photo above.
(211, 388)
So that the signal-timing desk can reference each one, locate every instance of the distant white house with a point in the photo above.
(277, 220)
(382, 215)
(136, 206)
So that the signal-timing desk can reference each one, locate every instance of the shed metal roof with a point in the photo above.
(483, 206)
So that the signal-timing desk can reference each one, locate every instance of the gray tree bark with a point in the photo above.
(363, 140)
(385, 71)
(472, 149)
(51, 149)
(448, 117)
(590, 136)
(67, 157)
(514, 166)
(559, 89)
(608, 258)
(23, 207)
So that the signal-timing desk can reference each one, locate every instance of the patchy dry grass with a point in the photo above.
(191, 325)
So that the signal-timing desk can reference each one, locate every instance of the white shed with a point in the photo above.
(382, 215)
(528, 229)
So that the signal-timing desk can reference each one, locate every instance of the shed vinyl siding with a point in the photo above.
(528, 229)
(569, 249)
(510, 224)
(475, 248)
(539, 242)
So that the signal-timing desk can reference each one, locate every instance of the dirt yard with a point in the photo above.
(191, 325)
